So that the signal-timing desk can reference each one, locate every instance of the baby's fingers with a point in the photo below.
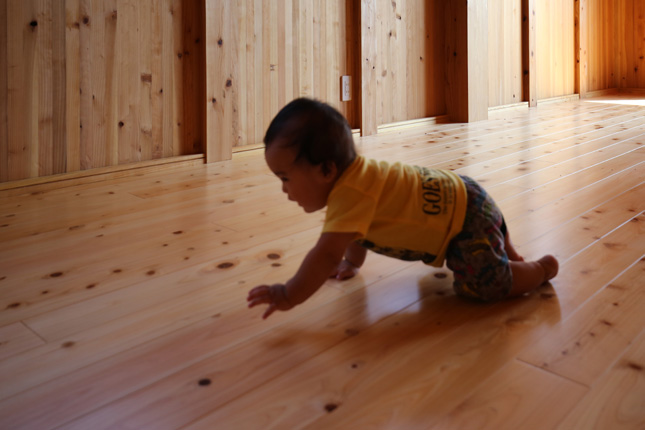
(262, 290)
(259, 295)
(269, 311)
(260, 301)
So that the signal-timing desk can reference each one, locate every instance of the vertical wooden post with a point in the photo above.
(219, 81)
(467, 60)
(194, 76)
(4, 142)
(368, 53)
(477, 60)
(581, 40)
(529, 57)
(456, 55)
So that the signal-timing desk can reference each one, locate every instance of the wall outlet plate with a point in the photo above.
(345, 88)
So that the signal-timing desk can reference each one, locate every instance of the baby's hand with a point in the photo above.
(275, 296)
(345, 270)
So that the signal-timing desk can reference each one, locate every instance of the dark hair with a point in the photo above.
(320, 133)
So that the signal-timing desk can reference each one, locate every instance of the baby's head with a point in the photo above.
(308, 145)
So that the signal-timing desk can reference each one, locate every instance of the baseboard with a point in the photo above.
(34, 185)
(568, 98)
(395, 126)
(512, 106)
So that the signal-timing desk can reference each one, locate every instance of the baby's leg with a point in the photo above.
(527, 276)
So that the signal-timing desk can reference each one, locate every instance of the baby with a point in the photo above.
(406, 212)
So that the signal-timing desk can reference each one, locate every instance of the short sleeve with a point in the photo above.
(349, 211)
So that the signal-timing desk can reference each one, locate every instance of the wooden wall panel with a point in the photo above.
(529, 55)
(504, 52)
(615, 40)
(368, 51)
(477, 61)
(555, 48)
(629, 30)
(601, 45)
(88, 84)
(4, 143)
(466, 54)
(410, 72)
(261, 55)
(639, 43)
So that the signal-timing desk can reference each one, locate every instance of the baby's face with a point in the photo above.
(303, 183)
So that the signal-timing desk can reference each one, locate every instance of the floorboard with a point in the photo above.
(122, 302)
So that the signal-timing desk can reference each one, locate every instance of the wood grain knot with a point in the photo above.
(331, 407)
(635, 366)
(14, 305)
(273, 256)
(56, 275)
(68, 344)
(226, 265)
(33, 23)
(205, 382)
(612, 245)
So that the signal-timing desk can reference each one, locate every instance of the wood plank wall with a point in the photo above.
(629, 34)
(555, 48)
(267, 53)
(601, 42)
(87, 84)
(410, 70)
(615, 44)
(504, 52)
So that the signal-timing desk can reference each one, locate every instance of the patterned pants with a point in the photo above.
(477, 255)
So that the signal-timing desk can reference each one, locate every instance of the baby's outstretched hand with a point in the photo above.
(345, 270)
(275, 296)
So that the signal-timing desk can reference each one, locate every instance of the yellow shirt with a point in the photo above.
(403, 211)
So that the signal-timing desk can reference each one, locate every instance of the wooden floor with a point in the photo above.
(122, 302)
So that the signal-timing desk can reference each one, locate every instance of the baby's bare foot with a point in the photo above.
(513, 255)
(550, 265)
(510, 250)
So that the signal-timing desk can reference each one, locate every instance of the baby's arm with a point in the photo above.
(354, 259)
(313, 272)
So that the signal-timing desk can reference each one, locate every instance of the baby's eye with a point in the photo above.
(283, 179)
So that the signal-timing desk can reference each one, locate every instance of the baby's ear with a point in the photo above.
(329, 170)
